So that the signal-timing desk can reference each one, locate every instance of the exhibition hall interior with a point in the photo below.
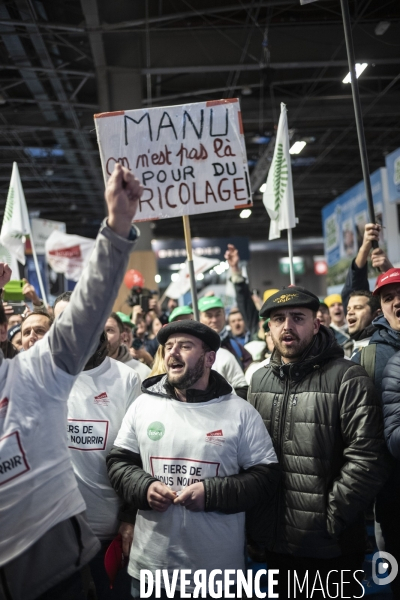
(239, 118)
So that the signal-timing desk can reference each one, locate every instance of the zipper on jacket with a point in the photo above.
(292, 413)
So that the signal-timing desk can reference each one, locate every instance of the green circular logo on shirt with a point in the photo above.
(155, 431)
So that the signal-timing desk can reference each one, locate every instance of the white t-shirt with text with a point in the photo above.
(97, 405)
(180, 444)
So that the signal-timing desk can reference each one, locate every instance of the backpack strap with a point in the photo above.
(368, 359)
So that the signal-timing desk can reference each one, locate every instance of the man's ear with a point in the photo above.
(210, 358)
(317, 325)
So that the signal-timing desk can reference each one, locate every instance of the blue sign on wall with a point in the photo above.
(393, 174)
(343, 222)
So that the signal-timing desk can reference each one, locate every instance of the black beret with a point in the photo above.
(289, 297)
(204, 333)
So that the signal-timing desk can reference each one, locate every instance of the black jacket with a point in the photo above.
(325, 420)
(391, 405)
(387, 342)
(236, 493)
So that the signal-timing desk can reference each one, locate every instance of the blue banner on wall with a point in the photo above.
(393, 175)
(343, 222)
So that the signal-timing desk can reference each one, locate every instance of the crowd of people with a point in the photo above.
(271, 428)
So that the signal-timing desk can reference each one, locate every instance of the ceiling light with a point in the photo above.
(174, 276)
(297, 147)
(263, 188)
(359, 69)
(245, 213)
(382, 27)
(200, 277)
(246, 91)
(157, 278)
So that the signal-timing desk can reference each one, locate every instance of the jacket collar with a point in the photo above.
(159, 386)
(323, 348)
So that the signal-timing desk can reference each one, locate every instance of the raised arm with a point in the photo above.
(357, 276)
(75, 334)
(244, 300)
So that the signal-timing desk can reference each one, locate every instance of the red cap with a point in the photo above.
(391, 276)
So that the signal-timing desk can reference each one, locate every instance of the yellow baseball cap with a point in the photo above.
(329, 300)
(269, 293)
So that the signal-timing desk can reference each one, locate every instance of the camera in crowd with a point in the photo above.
(140, 296)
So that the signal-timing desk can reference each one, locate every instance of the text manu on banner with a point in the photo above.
(191, 159)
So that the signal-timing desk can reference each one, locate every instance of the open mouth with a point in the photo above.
(288, 340)
(175, 366)
(351, 321)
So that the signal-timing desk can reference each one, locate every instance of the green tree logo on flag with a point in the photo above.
(9, 205)
(280, 177)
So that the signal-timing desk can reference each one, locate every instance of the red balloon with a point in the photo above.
(133, 278)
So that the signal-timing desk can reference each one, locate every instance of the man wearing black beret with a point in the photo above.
(323, 415)
(190, 458)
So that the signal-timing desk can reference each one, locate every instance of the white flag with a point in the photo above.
(7, 257)
(278, 197)
(68, 254)
(178, 288)
(16, 219)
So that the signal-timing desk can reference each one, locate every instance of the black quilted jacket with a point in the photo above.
(325, 420)
(391, 404)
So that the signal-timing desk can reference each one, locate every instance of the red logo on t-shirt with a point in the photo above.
(218, 433)
(3, 407)
(102, 399)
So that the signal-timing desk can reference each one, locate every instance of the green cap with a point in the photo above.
(208, 302)
(125, 319)
(179, 311)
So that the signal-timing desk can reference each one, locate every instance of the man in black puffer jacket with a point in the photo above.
(191, 457)
(384, 345)
(325, 421)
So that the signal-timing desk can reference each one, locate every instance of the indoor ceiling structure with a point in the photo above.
(63, 61)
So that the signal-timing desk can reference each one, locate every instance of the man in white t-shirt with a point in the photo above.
(45, 539)
(191, 456)
(97, 404)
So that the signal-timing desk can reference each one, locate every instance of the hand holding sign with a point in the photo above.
(192, 497)
(160, 496)
(122, 194)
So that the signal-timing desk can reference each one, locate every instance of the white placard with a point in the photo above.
(191, 159)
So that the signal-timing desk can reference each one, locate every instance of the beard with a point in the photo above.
(296, 350)
(189, 377)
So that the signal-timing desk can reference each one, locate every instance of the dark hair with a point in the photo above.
(64, 297)
(323, 306)
(42, 312)
(373, 301)
(118, 321)
(205, 347)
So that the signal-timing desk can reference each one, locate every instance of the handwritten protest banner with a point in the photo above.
(190, 159)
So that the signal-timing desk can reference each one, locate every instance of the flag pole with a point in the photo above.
(290, 249)
(358, 112)
(39, 276)
(189, 254)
